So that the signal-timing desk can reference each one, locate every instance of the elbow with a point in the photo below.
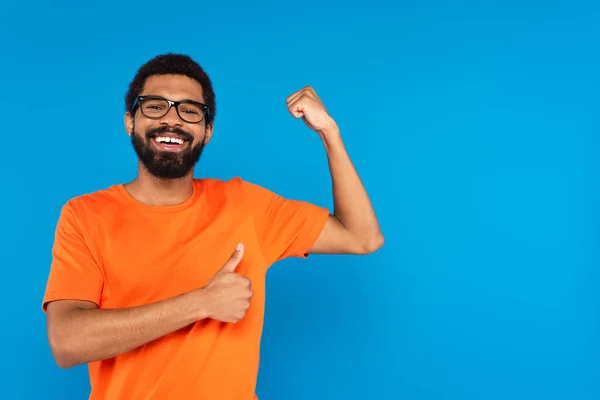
(372, 243)
(65, 362)
(62, 350)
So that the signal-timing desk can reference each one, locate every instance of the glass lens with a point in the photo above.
(154, 107)
(191, 112)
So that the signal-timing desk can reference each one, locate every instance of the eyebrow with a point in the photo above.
(168, 98)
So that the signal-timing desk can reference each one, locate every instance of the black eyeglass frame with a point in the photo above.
(171, 103)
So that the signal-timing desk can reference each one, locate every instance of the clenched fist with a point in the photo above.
(227, 295)
(307, 105)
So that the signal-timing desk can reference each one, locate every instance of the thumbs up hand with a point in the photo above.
(227, 294)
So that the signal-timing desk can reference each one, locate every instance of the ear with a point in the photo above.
(128, 120)
(208, 134)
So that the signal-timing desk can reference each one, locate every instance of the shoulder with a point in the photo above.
(98, 202)
(235, 186)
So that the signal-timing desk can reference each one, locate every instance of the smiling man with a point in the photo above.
(159, 284)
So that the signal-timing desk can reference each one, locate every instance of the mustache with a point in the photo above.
(152, 133)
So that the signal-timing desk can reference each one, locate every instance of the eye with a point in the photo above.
(187, 109)
(155, 105)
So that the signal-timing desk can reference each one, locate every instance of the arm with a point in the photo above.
(353, 228)
(79, 332)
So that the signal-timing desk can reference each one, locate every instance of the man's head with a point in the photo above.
(169, 114)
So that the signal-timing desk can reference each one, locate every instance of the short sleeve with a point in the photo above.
(74, 273)
(285, 227)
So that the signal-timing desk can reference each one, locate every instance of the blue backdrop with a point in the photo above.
(473, 125)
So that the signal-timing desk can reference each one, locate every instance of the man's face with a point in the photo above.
(168, 146)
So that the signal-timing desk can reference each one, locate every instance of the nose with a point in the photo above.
(171, 118)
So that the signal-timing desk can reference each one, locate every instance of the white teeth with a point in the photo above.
(169, 140)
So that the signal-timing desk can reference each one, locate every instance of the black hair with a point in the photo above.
(172, 64)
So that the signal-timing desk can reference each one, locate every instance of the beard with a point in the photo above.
(166, 164)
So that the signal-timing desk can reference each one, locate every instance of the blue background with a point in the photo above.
(473, 125)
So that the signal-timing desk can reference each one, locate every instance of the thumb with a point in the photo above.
(234, 260)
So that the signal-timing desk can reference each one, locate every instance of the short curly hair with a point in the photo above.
(172, 64)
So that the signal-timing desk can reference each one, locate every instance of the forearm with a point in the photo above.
(86, 335)
(352, 206)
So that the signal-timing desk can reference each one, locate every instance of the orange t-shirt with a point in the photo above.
(117, 252)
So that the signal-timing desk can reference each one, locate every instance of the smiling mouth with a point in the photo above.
(170, 143)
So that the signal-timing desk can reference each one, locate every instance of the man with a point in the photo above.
(159, 284)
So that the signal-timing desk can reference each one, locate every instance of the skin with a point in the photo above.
(146, 188)
(353, 227)
(79, 332)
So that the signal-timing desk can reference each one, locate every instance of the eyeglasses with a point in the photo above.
(157, 107)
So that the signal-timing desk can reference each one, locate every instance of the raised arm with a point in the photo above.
(353, 228)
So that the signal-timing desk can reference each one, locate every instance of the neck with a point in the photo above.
(154, 191)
